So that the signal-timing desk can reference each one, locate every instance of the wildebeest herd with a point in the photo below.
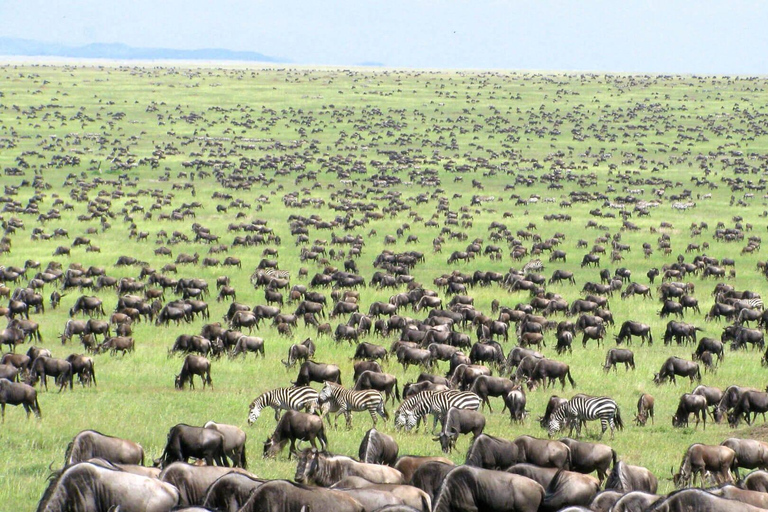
(628, 222)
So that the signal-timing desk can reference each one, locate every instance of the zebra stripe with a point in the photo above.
(586, 408)
(282, 398)
(270, 273)
(349, 400)
(437, 403)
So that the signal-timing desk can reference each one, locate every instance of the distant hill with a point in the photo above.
(28, 48)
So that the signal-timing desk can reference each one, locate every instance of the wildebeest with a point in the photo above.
(589, 457)
(644, 409)
(325, 470)
(750, 453)
(185, 441)
(89, 444)
(18, 393)
(710, 345)
(459, 421)
(300, 352)
(87, 304)
(619, 355)
(194, 365)
(89, 486)
(486, 386)
(631, 328)
(547, 371)
(230, 492)
(493, 452)
(43, 367)
(283, 495)
(311, 371)
(471, 488)
(515, 401)
(755, 402)
(370, 351)
(378, 448)
(234, 442)
(690, 404)
(293, 426)
(245, 344)
(627, 478)
(382, 382)
(193, 481)
(698, 499)
(677, 366)
(680, 332)
(718, 460)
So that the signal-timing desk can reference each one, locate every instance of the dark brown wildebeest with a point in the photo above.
(43, 367)
(185, 441)
(472, 488)
(517, 354)
(311, 371)
(89, 444)
(234, 442)
(18, 393)
(378, 448)
(589, 457)
(756, 481)
(718, 460)
(547, 371)
(83, 366)
(230, 492)
(89, 486)
(300, 352)
(635, 500)
(364, 366)
(427, 473)
(411, 498)
(10, 372)
(19, 361)
(87, 304)
(619, 355)
(382, 382)
(562, 488)
(698, 499)
(345, 332)
(626, 478)
(245, 344)
(408, 356)
(325, 470)
(193, 481)
(677, 366)
(293, 426)
(644, 409)
(285, 495)
(680, 332)
(117, 344)
(750, 454)
(459, 421)
(596, 333)
(515, 401)
(370, 352)
(631, 328)
(11, 336)
(755, 402)
(690, 403)
(486, 386)
(194, 365)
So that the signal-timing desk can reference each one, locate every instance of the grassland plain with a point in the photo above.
(510, 131)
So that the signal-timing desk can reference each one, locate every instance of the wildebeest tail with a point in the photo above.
(570, 379)
(698, 373)
(397, 391)
(244, 459)
(614, 456)
(553, 498)
(618, 422)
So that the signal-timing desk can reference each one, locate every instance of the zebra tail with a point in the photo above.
(618, 421)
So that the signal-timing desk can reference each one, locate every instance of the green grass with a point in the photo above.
(499, 126)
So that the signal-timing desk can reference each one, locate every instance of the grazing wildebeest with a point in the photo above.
(486, 386)
(325, 469)
(185, 441)
(311, 371)
(750, 453)
(677, 366)
(631, 328)
(472, 488)
(117, 344)
(459, 421)
(345, 332)
(288, 496)
(382, 382)
(644, 409)
(194, 365)
(234, 442)
(718, 460)
(589, 457)
(378, 448)
(18, 393)
(245, 344)
(87, 304)
(43, 367)
(89, 486)
(690, 403)
(681, 332)
(619, 355)
(755, 402)
(515, 401)
(370, 352)
(547, 371)
(300, 352)
(89, 444)
(626, 478)
(756, 481)
(710, 345)
(230, 492)
(293, 426)
(83, 366)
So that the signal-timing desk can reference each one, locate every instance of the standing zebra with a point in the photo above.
(582, 408)
(264, 275)
(281, 398)
(349, 400)
(437, 403)
(533, 266)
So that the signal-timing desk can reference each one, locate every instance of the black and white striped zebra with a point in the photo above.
(349, 400)
(294, 399)
(267, 274)
(413, 409)
(586, 408)
(533, 266)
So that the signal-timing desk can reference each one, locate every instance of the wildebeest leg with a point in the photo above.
(2, 408)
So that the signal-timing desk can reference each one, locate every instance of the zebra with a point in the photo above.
(583, 408)
(533, 266)
(414, 408)
(260, 275)
(349, 400)
(295, 399)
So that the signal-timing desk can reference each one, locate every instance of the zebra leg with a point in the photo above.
(373, 416)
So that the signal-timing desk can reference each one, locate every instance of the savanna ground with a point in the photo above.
(506, 130)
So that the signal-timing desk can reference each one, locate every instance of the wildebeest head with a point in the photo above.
(447, 440)
(306, 466)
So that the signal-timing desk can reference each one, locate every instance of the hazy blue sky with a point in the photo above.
(727, 36)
